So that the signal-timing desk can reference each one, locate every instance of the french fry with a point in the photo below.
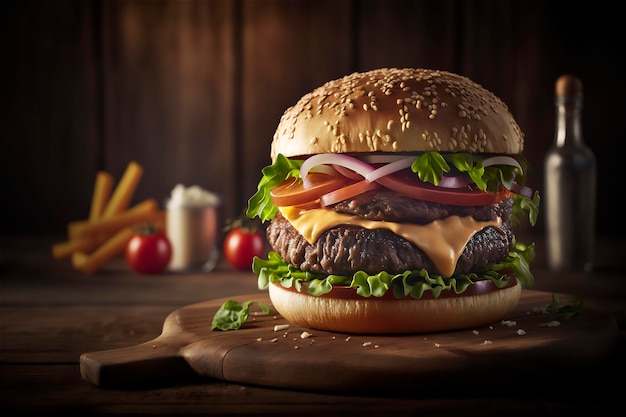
(79, 244)
(108, 229)
(121, 197)
(101, 192)
(107, 251)
(147, 210)
(79, 260)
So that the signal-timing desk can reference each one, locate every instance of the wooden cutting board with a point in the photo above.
(530, 345)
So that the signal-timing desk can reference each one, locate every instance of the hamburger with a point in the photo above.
(391, 203)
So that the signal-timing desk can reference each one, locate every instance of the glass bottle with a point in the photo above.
(570, 185)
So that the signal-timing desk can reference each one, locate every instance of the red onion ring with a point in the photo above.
(346, 161)
(502, 160)
(522, 190)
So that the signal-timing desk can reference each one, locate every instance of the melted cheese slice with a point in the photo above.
(443, 241)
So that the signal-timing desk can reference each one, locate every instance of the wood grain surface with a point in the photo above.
(529, 344)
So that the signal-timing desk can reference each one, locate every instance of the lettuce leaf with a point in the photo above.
(518, 262)
(409, 283)
(431, 165)
(565, 310)
(260, 204)
(523, 206)
(232, 314)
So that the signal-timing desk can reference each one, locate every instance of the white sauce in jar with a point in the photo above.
(192, 227)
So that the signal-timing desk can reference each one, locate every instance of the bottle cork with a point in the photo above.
(568, 85)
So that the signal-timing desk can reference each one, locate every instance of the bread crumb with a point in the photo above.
(280, 327)
(273, 340)
(258, 339)
(475, 331)
(365, 344)
(437, 345)
(509, 323)
(520, 332)
(486, 342)
(305, 335)
(348, 339)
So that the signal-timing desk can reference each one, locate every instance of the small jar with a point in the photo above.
(192, 227)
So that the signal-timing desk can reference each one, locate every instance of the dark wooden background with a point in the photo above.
(193, 90)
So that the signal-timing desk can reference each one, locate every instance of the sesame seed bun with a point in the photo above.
(398, 110)
(343, 311)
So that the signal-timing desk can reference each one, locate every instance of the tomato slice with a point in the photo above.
(292, 192)
(347, 192)
(326, 190)
(407, 184)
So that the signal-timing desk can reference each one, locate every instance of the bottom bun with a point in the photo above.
(342, 310)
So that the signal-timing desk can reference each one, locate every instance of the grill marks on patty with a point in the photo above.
(345, 249)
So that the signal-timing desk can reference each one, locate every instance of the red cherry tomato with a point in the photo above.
(241, 245)
(149, 252)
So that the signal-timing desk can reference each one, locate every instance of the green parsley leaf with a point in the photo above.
(565, 310)
(232, 314)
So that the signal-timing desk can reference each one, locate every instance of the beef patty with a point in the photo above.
(345, 249)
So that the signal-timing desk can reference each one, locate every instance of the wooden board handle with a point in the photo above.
(137, 366)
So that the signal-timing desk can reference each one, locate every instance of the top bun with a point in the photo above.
(398, 110)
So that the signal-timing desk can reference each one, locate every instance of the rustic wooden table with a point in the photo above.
(50, 315)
